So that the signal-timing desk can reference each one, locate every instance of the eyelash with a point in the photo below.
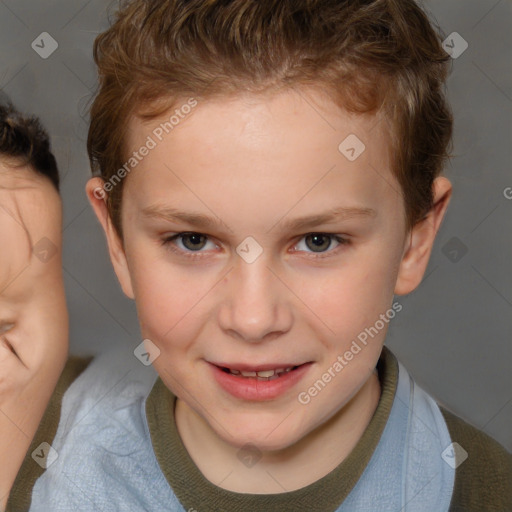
(167, 243)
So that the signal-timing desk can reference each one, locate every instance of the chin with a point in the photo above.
(268, 436)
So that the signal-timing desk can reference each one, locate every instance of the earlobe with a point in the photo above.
(420, 240)
(97, 197)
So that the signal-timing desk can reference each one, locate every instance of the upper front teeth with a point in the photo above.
(248, 374)
(263, 373)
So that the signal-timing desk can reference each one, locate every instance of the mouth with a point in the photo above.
(259, 383)
(261, 375)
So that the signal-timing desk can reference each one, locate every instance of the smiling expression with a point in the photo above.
(251, 242)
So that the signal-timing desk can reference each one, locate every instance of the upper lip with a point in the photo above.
(243, 367)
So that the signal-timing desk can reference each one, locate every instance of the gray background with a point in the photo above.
(454, 333)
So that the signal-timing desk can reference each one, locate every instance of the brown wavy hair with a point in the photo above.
(371, 56)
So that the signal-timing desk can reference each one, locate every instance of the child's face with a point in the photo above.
(253, 166)
(33, 314)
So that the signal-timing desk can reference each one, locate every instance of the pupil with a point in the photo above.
(195, 240)
(316, 238)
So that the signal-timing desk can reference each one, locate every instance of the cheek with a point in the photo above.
(351, 297)
(167, 298)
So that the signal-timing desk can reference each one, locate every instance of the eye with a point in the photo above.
(320, 242)
(4, 327)
(191, 242)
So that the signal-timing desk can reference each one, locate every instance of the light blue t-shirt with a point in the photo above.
(102, 458)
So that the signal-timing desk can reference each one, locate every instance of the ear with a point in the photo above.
(420, 240)
(98, 199)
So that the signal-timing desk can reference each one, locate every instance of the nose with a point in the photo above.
(256, 305)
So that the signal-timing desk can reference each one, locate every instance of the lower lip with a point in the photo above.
(248, 388)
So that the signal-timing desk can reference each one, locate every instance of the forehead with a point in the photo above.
(294, 143)
(30, 212)
(30, 189)
(29, 204)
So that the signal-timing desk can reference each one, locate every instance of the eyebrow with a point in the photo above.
(204, 221)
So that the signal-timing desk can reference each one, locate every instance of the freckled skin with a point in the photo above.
(250, 162)
(33, 314)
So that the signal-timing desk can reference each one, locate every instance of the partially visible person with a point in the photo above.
(33, 313)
